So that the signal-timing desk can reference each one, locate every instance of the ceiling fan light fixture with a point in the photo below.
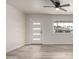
(57, 9)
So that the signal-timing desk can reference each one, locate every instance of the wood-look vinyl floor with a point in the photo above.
(42, 52)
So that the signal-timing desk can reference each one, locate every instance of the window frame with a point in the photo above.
(61, 29)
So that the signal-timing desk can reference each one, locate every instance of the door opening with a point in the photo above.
(36, 33)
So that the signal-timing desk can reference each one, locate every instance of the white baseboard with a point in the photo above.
(57, 43)
(27, 44)
(48, 43)
(14, 48)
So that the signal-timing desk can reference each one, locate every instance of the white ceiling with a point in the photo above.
(36, 6)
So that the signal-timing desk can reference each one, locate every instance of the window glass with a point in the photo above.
(63, 27)
(36, 28)
(36, 23)
(36, 33)
(36, 38)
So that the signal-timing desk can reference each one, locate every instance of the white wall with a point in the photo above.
(49, 37)
(15, 24)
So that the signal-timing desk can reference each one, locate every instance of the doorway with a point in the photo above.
(36, 33)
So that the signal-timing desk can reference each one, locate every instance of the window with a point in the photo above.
(63, 27)
(36, 28)
(36, 23)
(36, 33)
(36, 38)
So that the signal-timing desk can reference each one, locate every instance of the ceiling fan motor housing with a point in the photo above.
(57, 4)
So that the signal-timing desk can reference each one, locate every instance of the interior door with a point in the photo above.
(36, 33)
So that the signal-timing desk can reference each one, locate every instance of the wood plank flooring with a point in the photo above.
(42, 52)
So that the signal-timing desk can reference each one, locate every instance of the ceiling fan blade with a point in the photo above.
(65, 5)
(48, 6)
(53, 2)
(63, 9)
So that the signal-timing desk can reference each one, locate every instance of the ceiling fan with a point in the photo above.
(58, 5)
